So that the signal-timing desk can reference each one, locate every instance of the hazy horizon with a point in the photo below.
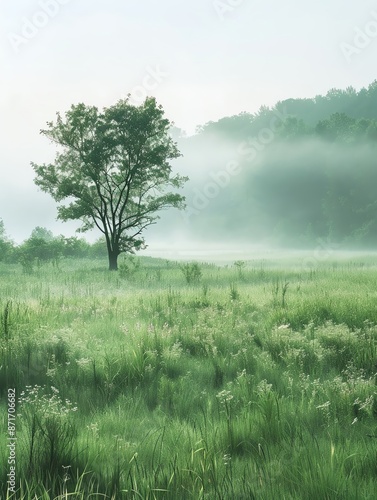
(202, 61)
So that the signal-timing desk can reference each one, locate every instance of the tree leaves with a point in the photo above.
(112, 169)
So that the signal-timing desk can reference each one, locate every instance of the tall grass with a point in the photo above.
(256, 381)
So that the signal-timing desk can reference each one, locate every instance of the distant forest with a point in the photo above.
(307, 170)
(299, 173)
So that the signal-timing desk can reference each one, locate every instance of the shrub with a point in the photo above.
(49, 433)
(191, 272)
(129, 266)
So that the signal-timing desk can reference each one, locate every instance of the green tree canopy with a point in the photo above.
(6, 245)
(112, 170)
(42, 233)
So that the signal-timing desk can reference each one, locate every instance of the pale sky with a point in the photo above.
(201, 59)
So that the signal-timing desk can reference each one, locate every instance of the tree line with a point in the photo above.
(308, 113)
(315, 179)
(42, 247)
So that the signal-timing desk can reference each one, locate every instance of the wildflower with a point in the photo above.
(224, 396)
(264, 387)
(93, 429)
(284, 327)
(82, 362)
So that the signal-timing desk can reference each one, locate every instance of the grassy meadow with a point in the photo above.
(255, 380)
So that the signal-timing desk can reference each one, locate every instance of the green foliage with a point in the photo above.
(2, 229)
(5, 320)
(301, 115)
(6, 245)
(279, 292)
(98, 249)
(192, 272)
(129, 266)
(38, 251)
(230, 399)
(240, 266)
(78, 248)
(47, 430)
(42, 233)
(312, 183)
(114, 170)
(234, 293)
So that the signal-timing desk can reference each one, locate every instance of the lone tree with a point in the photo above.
(112, 171)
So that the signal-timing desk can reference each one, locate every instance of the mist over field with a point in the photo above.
(188, 250)
(297, 175)
(290, 185)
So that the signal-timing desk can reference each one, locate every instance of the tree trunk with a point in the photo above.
(113, 260)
